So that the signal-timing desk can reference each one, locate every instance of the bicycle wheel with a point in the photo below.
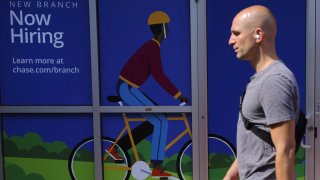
(82, 158)
(221, 151)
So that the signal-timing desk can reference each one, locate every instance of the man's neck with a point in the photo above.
(263, 63)
(264, 59)
(266, 56)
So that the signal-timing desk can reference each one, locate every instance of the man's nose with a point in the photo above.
(231, 40)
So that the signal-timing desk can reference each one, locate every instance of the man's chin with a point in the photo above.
(242, 58)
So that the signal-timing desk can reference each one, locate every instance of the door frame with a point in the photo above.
(312, 90)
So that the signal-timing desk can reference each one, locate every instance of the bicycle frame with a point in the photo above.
(124, 167)
(126, 164)
(127, 128)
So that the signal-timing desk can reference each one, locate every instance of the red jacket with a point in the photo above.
(146, 61)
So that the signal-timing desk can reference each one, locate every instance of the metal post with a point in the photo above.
(95, 89)
(310, 88)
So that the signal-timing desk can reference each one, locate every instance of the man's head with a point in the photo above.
(158, 22)
(253, 30)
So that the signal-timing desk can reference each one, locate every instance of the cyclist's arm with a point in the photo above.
(233, 173)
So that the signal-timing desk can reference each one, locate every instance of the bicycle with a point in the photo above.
(141, 169)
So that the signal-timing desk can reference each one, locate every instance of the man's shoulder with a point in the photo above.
(279, 73)
(281, 69)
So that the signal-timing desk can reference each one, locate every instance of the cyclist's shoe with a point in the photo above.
(159, 173)
(114, 154)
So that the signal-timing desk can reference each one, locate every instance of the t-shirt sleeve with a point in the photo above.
(277, 99)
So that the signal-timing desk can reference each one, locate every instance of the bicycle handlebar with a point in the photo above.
(183, 104)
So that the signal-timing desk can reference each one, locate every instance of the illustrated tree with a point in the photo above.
(28, 141)
(220, 160)
(14, 172)
(32, 145)
(170, 164)
(9, 148)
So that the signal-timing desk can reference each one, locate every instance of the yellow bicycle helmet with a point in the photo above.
(158, 17)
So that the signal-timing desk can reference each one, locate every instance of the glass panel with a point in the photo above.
(177, 158)
(227, 76)
(123, 29)
(45, 53)
(45, 146)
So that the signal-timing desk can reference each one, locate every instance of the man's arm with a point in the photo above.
(233, 173)
(283, 137)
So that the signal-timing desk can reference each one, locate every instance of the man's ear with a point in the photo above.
(258, 34)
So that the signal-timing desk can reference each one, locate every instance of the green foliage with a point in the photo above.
(144, 150)
(216, 162)
(220, 160)
(4, 135)
(300, 156)
(64, 154)
(14, 172)
(49, 169)
(56, 146)
(171, 163)
(299, 163)
(34, 176)
(38, 151)
(187, 163)
(141, 156)
(299, 170)
(217, 173)
(16, 139)
(9, 148)
(84, 155)
(29, 140)
(32, 145)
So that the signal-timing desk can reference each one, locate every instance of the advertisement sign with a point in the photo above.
(45, 53)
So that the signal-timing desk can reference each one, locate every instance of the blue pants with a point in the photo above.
(134, 97)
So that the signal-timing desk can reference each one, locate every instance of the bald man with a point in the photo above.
(271, 101)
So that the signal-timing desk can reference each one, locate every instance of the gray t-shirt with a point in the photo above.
(272, 96)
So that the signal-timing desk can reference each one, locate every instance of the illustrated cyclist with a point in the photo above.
(146, 61)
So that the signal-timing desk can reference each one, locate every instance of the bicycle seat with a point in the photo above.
(114, 99)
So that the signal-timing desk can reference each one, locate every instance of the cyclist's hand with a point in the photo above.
(183, 99)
